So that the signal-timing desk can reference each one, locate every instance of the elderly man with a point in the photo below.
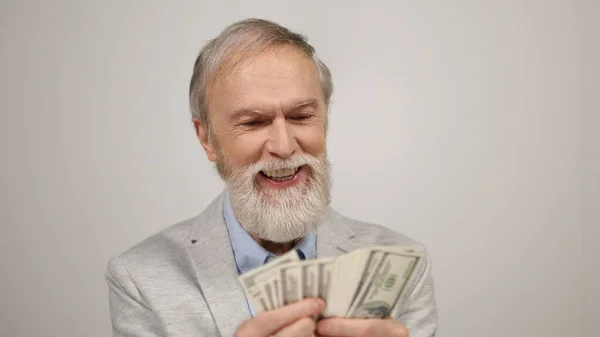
(259, 99)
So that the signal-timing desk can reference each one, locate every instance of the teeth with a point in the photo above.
(281, 173)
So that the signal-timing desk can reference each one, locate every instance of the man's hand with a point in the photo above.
(294, 320)
(359, 327)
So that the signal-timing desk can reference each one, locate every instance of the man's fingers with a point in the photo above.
(359, 327)
(304, 327)
(270, 322)
(341, 327)
(346, 327)
(273, 321)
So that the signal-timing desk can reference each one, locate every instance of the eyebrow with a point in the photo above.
(239, 113)
(308, 102)
(252, 112)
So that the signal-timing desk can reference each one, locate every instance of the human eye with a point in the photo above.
(251, 123)
(254, 123)
(300, 118)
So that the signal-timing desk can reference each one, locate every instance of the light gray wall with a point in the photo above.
(455, 122)
(591, 160)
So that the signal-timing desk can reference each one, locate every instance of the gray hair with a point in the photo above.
(238, 41)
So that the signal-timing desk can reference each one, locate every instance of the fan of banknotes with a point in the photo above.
(366, 283)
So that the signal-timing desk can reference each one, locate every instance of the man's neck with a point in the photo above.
(275, 247)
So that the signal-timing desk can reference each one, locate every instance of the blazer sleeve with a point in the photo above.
(418, 310)
(129, 315)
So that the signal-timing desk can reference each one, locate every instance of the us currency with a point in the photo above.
(276, 283)
(375, 257)
(273, 287)
(302, 279)
(259, 283)
(372, 265)
(305, 279)
(346, 274)
(365, 283)
(291, 282)
(310, 278)
(387, 284)
(324, 273)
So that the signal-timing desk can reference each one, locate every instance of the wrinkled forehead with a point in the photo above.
(275, 78)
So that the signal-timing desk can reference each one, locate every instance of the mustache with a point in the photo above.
(272, 164)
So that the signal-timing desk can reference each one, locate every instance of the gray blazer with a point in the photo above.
(182, 282)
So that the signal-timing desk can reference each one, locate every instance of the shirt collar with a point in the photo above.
(247, 252)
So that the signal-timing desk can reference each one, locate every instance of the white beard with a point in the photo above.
(280, 215)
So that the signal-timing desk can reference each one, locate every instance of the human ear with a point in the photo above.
(203, 137)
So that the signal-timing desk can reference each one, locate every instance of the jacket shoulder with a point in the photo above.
(158, 249)
(376, 234)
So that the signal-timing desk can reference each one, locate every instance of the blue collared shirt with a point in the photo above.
(249, 254)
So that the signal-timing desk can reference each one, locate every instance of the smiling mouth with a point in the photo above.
(281, 174)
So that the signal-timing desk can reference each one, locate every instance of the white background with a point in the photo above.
(471, 126)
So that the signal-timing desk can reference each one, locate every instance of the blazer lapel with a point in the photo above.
(334, 236)
(216, 271)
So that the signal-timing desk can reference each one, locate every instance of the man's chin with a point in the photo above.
(280, 217)
(292, 233)
(283, 239)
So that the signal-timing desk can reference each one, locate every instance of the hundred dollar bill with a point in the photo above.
(387, 285)
(324, 269)
(276, 282)
(372, 265)
(310, 286)
(346, 274)
(272, 288)
(257, 298)
(375, 255)
(300, 280)
(269, 293)
(406, 248)
(258, 283)
(291, 282)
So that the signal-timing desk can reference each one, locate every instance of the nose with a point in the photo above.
(281, 143)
